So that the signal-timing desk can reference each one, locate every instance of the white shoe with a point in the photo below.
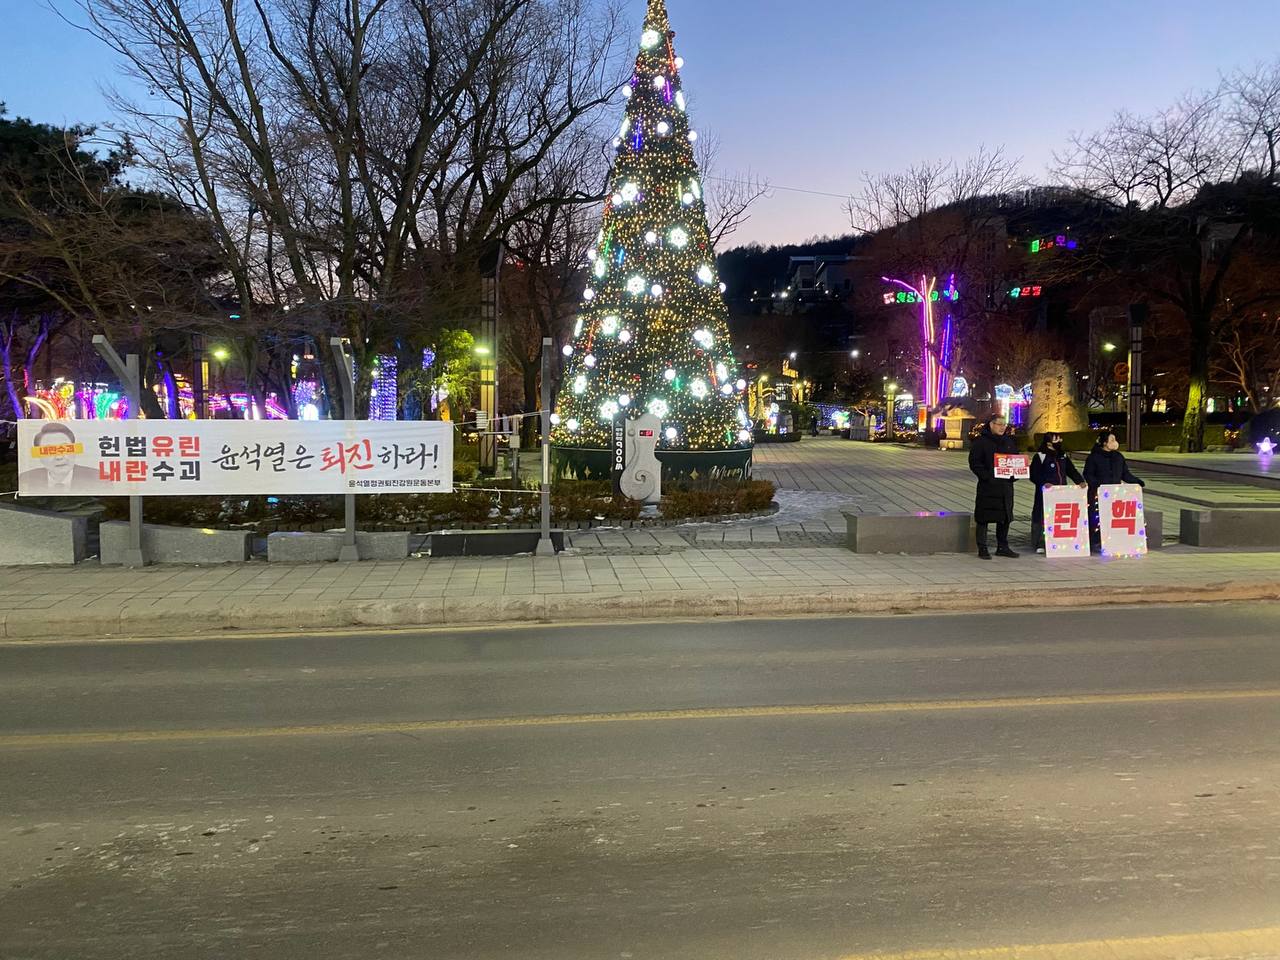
(1040, 550)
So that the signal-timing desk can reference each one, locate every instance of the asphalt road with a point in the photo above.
(755, 790)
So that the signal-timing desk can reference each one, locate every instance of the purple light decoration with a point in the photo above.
(305, 392)
(384, 395)
(428, 358)
(1266, 448)
(935, 350)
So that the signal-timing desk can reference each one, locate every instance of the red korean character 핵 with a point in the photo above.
(1124, 516)
(135, 471)
(1066, 521)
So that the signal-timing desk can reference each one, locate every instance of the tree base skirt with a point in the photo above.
(587, 463)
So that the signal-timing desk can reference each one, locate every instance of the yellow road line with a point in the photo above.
(83, 738)
(1231, 945)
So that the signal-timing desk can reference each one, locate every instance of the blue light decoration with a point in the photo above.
(960, 387)
(428, 358)
(306, 399)
(1266, 448)
(1060, 242)
(384, 395)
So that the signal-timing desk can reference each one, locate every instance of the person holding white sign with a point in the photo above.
(1051, 467)
(1105, 466)
(994, 502)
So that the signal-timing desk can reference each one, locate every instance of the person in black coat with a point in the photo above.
(1051, 467)
(1106, 465)
(994, 502)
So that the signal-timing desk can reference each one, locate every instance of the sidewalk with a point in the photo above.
(95, 602)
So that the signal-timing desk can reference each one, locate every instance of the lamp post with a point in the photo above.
(891, 392)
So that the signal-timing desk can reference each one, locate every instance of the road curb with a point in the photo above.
(132, 620)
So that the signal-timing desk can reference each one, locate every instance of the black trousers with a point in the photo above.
(1002, 535)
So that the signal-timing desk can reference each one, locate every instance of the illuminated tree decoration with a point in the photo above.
(654, 331)
(384, 394)
(937, 341)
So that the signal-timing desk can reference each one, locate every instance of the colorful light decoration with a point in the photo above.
(937, 344)
(1060, 242)
(654, 327)
(1266, 448)
(1026, 293)
(384, 394)
(895, 298)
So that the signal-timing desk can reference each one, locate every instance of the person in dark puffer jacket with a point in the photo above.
(994, 502)
(1105, 466)
(1051, 467)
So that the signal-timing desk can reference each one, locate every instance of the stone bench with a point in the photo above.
(30, 536)
(1231, 528)
(910, 533)
(326, 547)
(490, 543)
(189, 545)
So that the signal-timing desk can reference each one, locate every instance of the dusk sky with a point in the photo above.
(810, 95)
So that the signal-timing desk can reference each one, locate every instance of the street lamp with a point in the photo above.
(1109, 347)
(892, 412)
(221, 354)
(855, 354)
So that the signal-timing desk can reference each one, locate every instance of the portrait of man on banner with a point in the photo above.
(53, 464)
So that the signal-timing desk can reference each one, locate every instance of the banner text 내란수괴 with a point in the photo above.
(158, 458)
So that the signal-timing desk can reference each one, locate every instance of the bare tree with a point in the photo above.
(729, 203)
(1182, 195)
(356, 157)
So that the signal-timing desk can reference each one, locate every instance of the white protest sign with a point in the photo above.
(1123, 520)
(1012, 466)
(192, 458)
(1066, 522)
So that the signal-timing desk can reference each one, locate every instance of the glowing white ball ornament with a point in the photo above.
(630, 190)
(589, 360)
(580, 385)
(636, 285)
(659, 407)
(651, 238)
(699, 389)
(650, 39)
(703, 338)
(572, 425)
(627, 92)
(624, 399)
(664, 128)
(567, 350)
(609, 325)
(608, 410)
(672, 433)
(656, 290)
(679, 238)
(669, 374)
(625, 336)
(706, 274)
(659, 82)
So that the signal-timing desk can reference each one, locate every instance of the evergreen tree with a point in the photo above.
(653, 331)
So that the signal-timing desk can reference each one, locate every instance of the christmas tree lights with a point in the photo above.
(653, 332)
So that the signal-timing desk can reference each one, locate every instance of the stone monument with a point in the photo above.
(1054, 407)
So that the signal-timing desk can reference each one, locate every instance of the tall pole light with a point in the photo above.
(349, 553)
(128, 373)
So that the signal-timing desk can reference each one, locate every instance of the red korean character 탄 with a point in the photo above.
(1066, 521)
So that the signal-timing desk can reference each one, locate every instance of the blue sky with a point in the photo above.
(811, 94)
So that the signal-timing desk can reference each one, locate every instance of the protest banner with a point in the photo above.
(193, 458)
(1012, 466)
(1066, 522)
(1122, 518)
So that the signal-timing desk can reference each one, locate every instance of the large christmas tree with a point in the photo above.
(653, 332)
